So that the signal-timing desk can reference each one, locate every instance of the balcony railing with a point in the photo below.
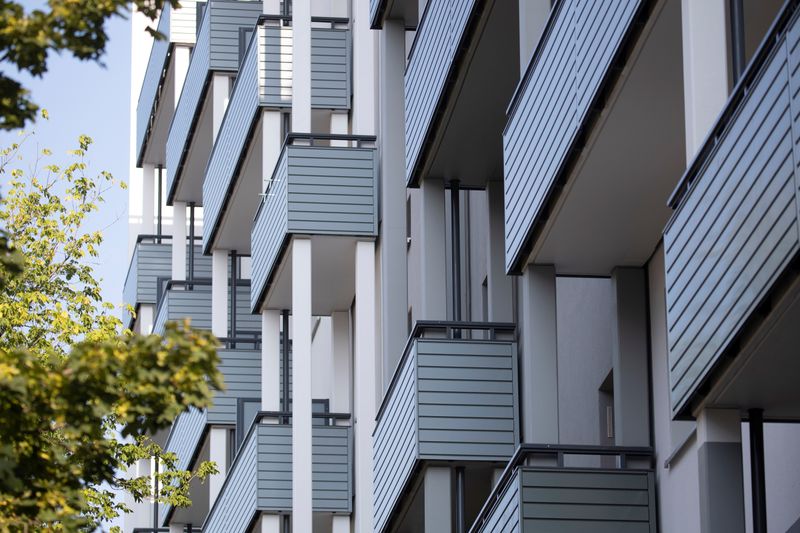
(153, 82)
(432, 64)
(265, 80)
(181, 299)
(151, 261)
(529, 499)
(453, 397)
(217, 50)
(735, 230)
(552, 107)
(260, 478)
(325, 187)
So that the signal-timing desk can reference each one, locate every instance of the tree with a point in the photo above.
(27, 39)
(78, 395)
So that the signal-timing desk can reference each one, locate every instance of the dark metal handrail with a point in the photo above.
(559, 450)
(288, 19)
(452, 330)
(740, 91)
(242, 337)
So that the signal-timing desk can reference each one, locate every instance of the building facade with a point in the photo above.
(476, 265)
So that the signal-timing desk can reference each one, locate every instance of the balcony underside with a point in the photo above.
(465, 141)
(189, 187)
(155, 149)
(612, 208)
(332, 267)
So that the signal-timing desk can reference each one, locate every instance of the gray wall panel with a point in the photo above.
(242, 373)
(552, 102)
(435, 45)
(226, 19)
(736, 229)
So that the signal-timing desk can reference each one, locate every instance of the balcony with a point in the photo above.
(530, 499)
(324, 186)
(157, 96)
(578, 148)
(405, 10)
(731, 247)
(260, 478)
(182, 299)
(461, 73)
(235, 174)
(241, 368)
(451, 399)
(218, 49)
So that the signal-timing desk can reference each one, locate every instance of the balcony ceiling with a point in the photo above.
(332, 268)
(613, 207)
(155, 151)
(469, 144)
(764, 373)
(190, 186)
(237, 219)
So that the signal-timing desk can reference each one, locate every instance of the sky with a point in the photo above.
(87, 98)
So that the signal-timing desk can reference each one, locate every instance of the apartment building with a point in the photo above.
(477, 265)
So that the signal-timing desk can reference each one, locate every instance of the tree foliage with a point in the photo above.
(78, 395)
(28, 37)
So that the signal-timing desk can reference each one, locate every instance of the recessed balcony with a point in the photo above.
(452, 399)
(235, 174)
(324, 186)
(732, 246)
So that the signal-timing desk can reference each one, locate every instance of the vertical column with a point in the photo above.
(438, 499)
(342, 362)
(364, 408)
(539, 368)
(176, 528)
(270, 523)
(394, 262)
(301, 66)
(364, 89)
(432, 251)
(218, 441)
(301, 385)
(705, 67)
(271, 360)
(145, 319)
(220, 88)
(271, 141)
(719, 461)
(533, 16)
(179, 240)
(499, 284)
(181, 56)
(341, 524)
(629, 357)
(219, 293)
(148, 198)
(272, 7)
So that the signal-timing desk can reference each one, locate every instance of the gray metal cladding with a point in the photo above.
(506, 515)
(551, 104)
(737, 227)
(453, 400)
(261, 478)
(149, 262)
(227, 17)
(435, 45)
(330, 68)
(269, 232)
(236, 504)
(183, 440)
(179, 303)
(567, 500)
(231, 143)
(152, 78)
(194, 87)
(241, 370)
(315, 190)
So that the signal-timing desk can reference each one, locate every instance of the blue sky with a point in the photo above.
(86, 98)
